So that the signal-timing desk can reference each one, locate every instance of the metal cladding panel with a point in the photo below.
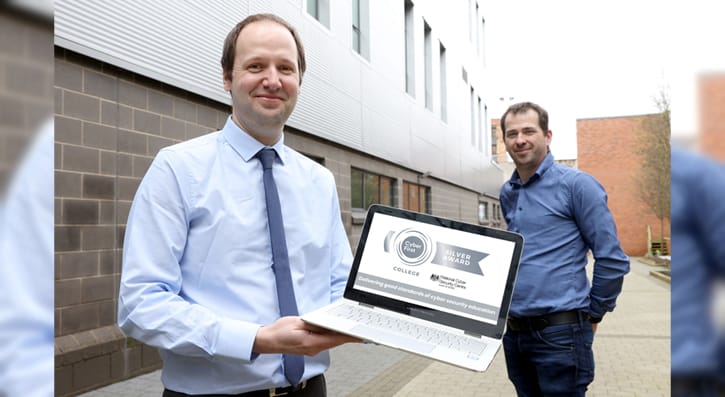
(175, 42)
(328, 112)
(357, 102)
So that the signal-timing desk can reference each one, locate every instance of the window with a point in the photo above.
(473, 118)
(428, 66)
(320, 10)
(368, 188)
(409, 49)
(482, 212)
(416, 197)
(356, 25)
(444, 84)
(482, 45)
(480, 126)
(360, 28)
(494, 139)
(478, 32)
(317, 159)
(470, 24)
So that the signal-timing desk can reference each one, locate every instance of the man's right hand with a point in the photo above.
(291, 335)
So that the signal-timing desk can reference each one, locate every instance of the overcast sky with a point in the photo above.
(582, 59)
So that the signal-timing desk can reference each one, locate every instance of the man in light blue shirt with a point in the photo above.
(26, 274)
(562, 214)
(197, 278)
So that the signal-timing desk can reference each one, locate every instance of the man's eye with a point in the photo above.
(286, 69)
(254, 67)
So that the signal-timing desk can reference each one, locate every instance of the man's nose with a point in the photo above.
(271, 79)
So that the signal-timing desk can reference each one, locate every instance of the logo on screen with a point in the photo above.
(412, 246)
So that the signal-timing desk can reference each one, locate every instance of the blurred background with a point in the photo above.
(26, 198)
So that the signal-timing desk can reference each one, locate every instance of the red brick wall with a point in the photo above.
(606, 150)
(500, 155)
(712, 114)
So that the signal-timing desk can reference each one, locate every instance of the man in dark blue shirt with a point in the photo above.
(562, 214)
(698, 227)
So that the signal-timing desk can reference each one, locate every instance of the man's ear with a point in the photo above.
(227, 79)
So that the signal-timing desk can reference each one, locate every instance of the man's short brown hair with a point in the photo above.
(523, 107)
(230, 42)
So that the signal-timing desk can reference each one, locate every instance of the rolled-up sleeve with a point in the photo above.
(598, 229)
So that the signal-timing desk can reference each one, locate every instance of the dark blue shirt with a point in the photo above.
(562, 213)
(698, 252)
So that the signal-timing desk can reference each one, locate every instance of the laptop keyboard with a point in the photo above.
(403, 328)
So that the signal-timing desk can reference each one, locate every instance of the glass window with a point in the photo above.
(320, 10)
(409, 49)
(416, 197)
(428, 65)
(367, 188)
(313, 8)
(482, 212)
(356, 25)
(444, 83)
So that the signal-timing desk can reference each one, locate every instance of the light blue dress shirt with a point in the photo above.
(197, 280)
(562, 213)
(26, 274)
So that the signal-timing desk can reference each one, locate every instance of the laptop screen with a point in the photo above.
(454, 273)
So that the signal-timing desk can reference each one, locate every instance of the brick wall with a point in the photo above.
(711, 88)
(26, 77)
(110, 123)
(607, 151)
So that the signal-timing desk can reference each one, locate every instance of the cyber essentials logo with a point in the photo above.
(414, 248)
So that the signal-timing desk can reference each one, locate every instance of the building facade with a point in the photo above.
(607, 149)
(711, 91)
(393, 103)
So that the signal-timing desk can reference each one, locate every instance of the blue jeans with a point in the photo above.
(555, 361)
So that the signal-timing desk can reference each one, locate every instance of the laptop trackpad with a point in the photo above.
(390, 338)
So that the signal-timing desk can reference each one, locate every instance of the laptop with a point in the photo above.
(428, 285)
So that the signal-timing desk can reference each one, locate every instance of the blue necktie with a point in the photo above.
(294, 365)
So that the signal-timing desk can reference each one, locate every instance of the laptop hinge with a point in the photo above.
(366, 305)
(473, 334)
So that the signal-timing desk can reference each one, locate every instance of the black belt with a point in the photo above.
(523, 324)
(278, 391)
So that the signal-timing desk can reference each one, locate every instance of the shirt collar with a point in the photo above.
(245, 145)
(543, 167)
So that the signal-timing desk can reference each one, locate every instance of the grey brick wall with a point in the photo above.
(26, 80)
(110, 123)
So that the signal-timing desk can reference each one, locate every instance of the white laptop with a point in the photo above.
(428, 285)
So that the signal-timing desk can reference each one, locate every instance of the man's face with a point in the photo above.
(525, 142)
(265, 80)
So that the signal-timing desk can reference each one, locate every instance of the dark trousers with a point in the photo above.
(697, 386)
(554, 361)
(316, 387)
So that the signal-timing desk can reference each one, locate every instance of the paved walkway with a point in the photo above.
(631, 347)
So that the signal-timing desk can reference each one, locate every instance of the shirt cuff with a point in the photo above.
(596, 310)
(236, 339)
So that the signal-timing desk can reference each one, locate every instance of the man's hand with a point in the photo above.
(293, 336)
(594, 327)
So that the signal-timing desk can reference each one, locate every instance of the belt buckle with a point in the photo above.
(291, 389)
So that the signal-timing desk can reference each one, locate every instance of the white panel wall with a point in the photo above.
(357, 102)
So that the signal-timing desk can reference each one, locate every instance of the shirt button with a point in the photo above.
(521, 209)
